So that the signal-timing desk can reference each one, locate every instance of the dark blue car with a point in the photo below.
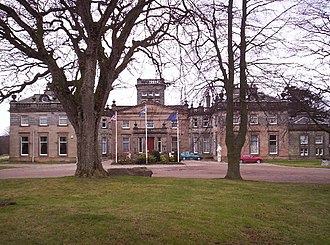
(189, 155)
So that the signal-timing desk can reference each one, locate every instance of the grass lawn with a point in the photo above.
(138, 210)
(299, 163)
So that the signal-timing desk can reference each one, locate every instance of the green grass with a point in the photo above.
(299, 163)
(5, 160)
(137, 210)
(5, 167)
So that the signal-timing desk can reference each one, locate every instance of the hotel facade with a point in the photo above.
(40, 130)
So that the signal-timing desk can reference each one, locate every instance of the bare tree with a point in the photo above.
(309, 47)
(234, 47)
(81, 47)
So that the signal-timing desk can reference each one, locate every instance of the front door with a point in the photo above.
(150, 143)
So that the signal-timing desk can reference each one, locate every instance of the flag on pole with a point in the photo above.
(143, 111)
(114, 117)
(172, 117)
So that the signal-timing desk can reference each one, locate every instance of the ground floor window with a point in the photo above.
(195, 144)
(304, 152)
(159, 144)
(319, 152)
(125, 144)
(24, 145)
(43, 147)
(140, 145)
(273, 147)
(254, 144)
(174, 146)
(104, 145)
(206, 144)
(63, 146)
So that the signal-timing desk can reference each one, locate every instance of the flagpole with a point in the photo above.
(178, 135)
(145, 118)
(116, 136)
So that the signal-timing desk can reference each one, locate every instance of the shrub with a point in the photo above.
(156, 155)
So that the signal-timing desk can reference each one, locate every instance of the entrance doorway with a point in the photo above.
(150, 143)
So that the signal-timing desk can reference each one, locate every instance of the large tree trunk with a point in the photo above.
(233, 170)
(89, 159)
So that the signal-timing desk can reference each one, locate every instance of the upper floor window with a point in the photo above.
(24, 120)
(63, 120)
(303, 139)
(150, 123)
(43, 120)
(272, 120)
(195, 122)
(144, 94)
(206, 122)
(236, 120)
(174, 124)
(104, 122)
(157, 93)
(125, 124)
(319, 139)
(254, 119)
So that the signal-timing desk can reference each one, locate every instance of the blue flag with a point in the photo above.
(143, 111)
(172, 117)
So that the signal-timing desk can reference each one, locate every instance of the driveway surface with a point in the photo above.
(190, 169)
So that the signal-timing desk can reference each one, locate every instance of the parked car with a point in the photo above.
(248, 158)
(189, 155)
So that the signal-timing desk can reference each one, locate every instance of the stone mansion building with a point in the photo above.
(40, 130)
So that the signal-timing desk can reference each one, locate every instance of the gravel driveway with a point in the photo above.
(190, 169)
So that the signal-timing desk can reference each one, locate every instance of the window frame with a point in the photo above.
(104, 123)
(41, 143)
(320, 141)
(206, 144)
(272, 120)
(24, 121)
(303, 139)
(61, 143)
(195, 122)
(104, 145)
(150, 124)
(60, 120)
(256, 136)
(41, 120)
(253, 120)
(206, 122)
(126, 144)
(125, 124)
(174, 143)
(270, 141)
(236, 120)
(25, 142)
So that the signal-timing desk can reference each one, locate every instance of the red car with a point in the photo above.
(247, 158)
